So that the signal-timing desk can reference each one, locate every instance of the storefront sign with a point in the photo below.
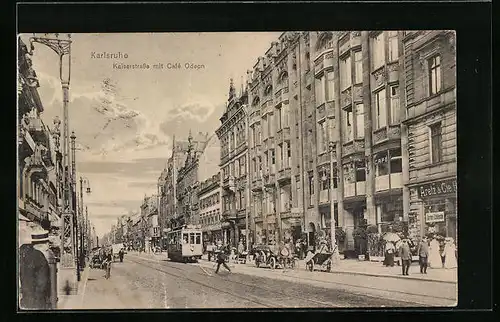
(431, 217)
(437, 188)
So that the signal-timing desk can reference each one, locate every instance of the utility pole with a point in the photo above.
(76, 215)
(335, 249)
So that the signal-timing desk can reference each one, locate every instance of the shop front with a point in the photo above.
(389, 211)
(292, 229)
(440, 204)
(260, 237)
(439, 200)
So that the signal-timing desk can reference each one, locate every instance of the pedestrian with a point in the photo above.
(121, 253)
(450, 259)
(34, 272)
(434, 254)
(405, 255)
(389, 254)
(221, 259)
(107, 264)
(423, 255)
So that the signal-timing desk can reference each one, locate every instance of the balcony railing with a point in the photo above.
(284, 174)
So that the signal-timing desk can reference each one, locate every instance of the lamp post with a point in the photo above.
(76, 221)
(61, 45)
(335, 259)
(83, 219)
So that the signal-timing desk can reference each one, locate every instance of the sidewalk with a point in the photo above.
(73, 302)
(376, 269)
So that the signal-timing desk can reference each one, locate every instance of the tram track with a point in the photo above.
(247, 297)
(343, 285)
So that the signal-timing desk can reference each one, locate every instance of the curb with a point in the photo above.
(377, 275)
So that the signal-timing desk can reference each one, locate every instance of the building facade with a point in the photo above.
(332, 100)
(233, 136)
(430, 131)
(209, 209)
(39, 185)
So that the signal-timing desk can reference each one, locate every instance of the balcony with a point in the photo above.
(284, 175)
(352, 147)
(394, 132)
(396, 180)
(357, 93)
(230, 214)
(255, 118)
(37, 129)
(257, 184)
(346, 97)
(393, 72)
(382, 183)
(324, 196)
(269, 180)
(379, 135)
(330, 109)
(354, 189)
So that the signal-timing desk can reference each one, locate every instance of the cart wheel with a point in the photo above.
(310, 266)
(272, 262)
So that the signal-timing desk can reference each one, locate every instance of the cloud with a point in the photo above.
(196, 111)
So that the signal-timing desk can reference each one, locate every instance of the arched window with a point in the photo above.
(268, 90)
(283, 79)
(256, 101)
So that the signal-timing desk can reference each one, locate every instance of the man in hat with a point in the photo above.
(423, 254)
(34, 273)
(405, 255)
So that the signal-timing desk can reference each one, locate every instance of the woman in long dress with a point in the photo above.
(434, 255)
(450, 260)
(389, 254)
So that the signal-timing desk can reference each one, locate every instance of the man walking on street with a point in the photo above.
(423, 254)
(221, 259)
(405, 255)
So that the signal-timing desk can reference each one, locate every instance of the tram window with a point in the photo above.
(185, 238)
(191, 239)
(198, 238)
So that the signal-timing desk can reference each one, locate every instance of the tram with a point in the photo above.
(184, 244)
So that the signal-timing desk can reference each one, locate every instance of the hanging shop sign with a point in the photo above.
(432, 217)
(437, 188)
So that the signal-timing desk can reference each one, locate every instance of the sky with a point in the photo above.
(124, 119)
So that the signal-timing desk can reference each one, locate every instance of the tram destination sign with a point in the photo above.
(437, 188)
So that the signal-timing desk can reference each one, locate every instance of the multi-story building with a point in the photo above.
(209, 208)
(233, 137)
(169, 193)
(188, 180)
(40, 161)
(276, 90)
(331, 100)
(151, 227)
(429, 131)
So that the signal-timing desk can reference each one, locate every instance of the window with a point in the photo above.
(286, 115)
(311, 184)
(237, 168)
(264, 127)
(324, 175)
(358, 67)
(279, 119)
(380, 109)
(288, 151)
(435, 74)
(330, 86)
(345, 73)
(335, 177)
(198, 238)
(360, 171)
(191, 238)
(381, 164)
(393, 46)
(378, 51)
(266, 158)
(242, 166)
(319, 89)
(360, 121)
(394, 95)
(332, 137)
(396, 160)
(348, 135)
(273, 157)
(321, 136)
(436, 139)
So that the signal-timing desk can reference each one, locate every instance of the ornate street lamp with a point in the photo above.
(335, 248)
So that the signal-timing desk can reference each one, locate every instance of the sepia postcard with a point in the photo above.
(214, 170)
